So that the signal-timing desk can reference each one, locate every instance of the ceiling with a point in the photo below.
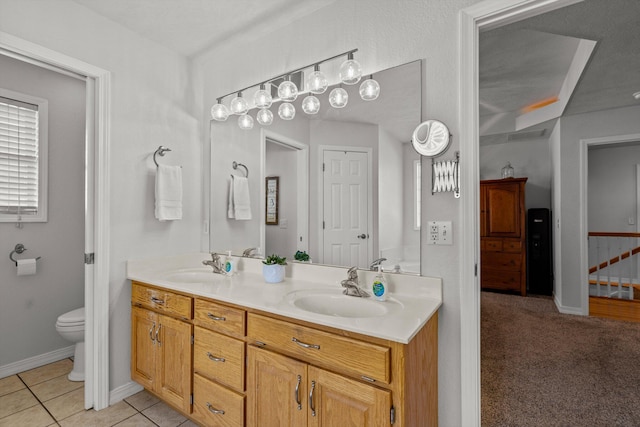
(527, 62)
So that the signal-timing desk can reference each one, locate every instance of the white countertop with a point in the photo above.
(412, 300)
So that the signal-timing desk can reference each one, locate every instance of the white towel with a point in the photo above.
(168, 192)
(239, 201)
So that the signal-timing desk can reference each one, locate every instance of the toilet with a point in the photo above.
(70, 326)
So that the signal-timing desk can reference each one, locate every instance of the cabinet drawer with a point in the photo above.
(493, 245)
(510, 261)
(501, 279)
(512, 246)
(220, 318)
(162, 301)
(324, 349)
(219, 358)
(216, 405)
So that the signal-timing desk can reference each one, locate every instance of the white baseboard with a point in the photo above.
(567, 310)
(124, 391)
(36, 361)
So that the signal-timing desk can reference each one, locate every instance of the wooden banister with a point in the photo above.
(618, 258)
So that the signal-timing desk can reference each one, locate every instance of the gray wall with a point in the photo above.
(30, 305)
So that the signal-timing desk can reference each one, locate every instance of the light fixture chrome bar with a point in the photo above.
(347, 53)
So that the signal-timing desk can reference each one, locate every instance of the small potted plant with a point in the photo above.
(302, 256)
(273, 268)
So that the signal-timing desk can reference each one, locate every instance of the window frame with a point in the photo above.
(43, 156)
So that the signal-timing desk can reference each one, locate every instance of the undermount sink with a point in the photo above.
(332, 302)
(193, 275)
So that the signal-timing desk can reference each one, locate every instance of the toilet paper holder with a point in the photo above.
(18, 250)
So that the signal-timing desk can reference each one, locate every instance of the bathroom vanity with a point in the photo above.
(235, 351)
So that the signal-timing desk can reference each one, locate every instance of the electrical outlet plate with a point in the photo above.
(440, 233)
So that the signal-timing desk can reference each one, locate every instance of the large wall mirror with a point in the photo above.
(348, 179)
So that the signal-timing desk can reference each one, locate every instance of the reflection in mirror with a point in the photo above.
(348, 180)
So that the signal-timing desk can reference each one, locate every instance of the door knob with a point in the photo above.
(362, 236)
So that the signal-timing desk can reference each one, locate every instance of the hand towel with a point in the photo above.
(241, 200)
(26, 267)
(168, 193)
(230, 210)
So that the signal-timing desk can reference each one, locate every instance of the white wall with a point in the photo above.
(612, 186)
(30, 305)
(152, 103)
(390, 193)
(411, 236)
(386, 35)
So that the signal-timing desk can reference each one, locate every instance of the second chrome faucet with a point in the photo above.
(352, 288)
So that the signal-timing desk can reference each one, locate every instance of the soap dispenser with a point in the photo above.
(229, 265)
(379, 287)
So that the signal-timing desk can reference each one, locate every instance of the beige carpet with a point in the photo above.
(543, 368)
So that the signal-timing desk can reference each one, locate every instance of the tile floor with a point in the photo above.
(45, 397)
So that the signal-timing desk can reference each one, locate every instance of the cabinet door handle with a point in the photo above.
(157, 300)
(151, 332)
(297, 395)
(157, 332)
(311, 405)
(214, 410)
(305, 345)
(214, 317)
(213, 358)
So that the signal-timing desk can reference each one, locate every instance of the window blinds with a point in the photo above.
(18, 157)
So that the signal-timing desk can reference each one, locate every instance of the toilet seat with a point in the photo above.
(72, 318)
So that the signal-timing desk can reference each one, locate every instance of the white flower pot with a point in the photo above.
(273, 273)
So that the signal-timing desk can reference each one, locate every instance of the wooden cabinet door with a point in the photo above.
(276, 390)
(483, 210)
(174, 362)
(335, 400)
(503, 209)
(143, 346)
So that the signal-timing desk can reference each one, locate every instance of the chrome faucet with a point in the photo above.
(376, 263)
(351, 284)
(248, 252)
(215, 263)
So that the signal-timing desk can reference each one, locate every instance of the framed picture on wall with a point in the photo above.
(271, 205)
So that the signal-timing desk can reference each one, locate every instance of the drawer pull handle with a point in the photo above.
(213, 358)
(151, 332)
(311, 405)
(305, 345)
(213, 317)
(297, 395)
(157, 300)
(371, 380)
(214, 410)
(157, 332)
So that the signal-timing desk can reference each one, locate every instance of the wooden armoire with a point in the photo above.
(503, 257)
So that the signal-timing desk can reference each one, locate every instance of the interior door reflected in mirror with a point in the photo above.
(348, 179)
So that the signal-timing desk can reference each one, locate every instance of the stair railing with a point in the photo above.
(613, 271)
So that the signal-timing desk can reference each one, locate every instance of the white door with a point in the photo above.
(346, 239)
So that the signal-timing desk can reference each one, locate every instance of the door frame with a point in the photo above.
(485, 15)
(370, 228)
(97, 200)
(302, 188)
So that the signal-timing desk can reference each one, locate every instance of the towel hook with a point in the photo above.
(18, 250)
(246, 169)
(161, 150)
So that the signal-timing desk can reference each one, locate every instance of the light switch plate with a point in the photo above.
(440, 233)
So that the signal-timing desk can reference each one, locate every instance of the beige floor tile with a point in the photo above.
(47, 372)
(16, 402)
(142, 400)
(163, 415)
(10, 384)
(36, 416)
(189, 423)
(138, 420)
(55, 387)
(105, 418)
(66, 405)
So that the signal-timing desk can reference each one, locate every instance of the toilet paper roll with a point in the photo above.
(26, 267)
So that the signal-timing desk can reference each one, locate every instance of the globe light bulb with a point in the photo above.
(311, 105)
(338, 97)
(219, 112)
(245, 122)
(317, 82)
(287, 91)
(350, 71)
(264, 117)
(286, 111)
(239, 105)
(369, 89)
(262, 98)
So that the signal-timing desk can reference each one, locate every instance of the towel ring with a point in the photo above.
(18, 250)
(160, 151)
(246, 169)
